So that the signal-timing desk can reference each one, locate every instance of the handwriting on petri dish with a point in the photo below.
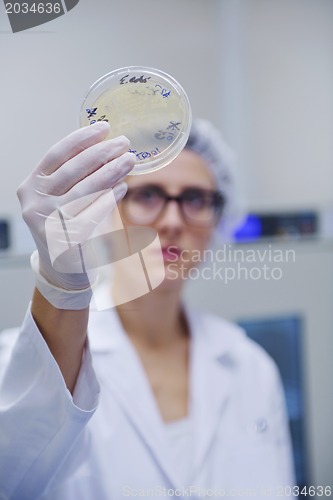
(165, 93)
(91, 112)
(140, 79)
(145, 154)
(168, 133)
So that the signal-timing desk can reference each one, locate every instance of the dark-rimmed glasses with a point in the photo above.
(199, 207)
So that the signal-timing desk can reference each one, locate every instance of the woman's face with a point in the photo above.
(181, 239)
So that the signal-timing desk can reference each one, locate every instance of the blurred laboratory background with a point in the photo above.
(261, 71)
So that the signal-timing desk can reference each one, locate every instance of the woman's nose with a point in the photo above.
(171, 215)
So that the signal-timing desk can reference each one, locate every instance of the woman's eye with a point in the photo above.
(146, 196)
(195, 200)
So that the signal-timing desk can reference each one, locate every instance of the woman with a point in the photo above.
(188, 406)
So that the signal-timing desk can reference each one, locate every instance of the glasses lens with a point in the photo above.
(143, 204)
(201, 206)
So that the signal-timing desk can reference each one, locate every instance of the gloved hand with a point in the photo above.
(63, 200)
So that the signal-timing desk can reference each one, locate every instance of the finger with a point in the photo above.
(72, 209)
(73, 223)
(72, 145)
(104, 178)
(83, 165)
(97, 211)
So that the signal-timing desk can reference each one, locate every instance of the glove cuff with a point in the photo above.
(59, 297)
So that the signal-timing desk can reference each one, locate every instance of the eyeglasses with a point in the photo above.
(199, 207)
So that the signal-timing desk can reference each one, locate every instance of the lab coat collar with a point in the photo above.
(213, 358)
(125, 378)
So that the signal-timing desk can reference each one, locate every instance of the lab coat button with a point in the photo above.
(258, 427)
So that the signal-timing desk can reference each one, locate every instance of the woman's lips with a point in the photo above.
(171, 253)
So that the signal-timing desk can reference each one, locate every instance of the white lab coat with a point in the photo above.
(113, 445)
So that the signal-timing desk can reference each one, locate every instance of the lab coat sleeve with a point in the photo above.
(40, 421)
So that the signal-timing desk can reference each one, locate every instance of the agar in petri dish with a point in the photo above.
(148, 106)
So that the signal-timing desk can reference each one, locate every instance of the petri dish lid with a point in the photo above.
(148, 106)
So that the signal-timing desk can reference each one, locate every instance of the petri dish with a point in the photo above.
(148, 106)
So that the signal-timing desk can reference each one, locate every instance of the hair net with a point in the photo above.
(207, 141)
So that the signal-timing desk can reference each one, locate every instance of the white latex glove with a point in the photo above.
(63, 200)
